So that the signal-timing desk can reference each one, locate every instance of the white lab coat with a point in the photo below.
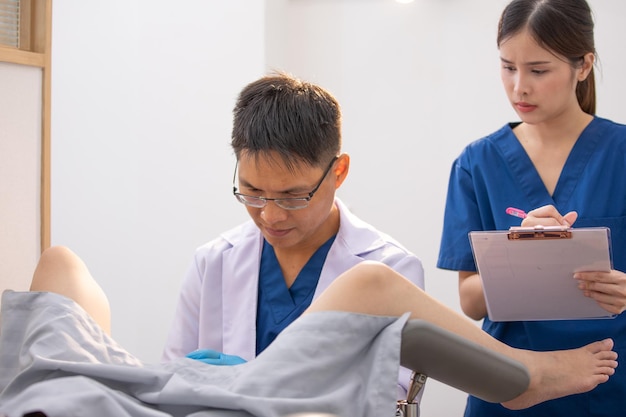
(217, 304)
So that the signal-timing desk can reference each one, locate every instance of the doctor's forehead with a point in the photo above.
(275, 175)
(272, 161)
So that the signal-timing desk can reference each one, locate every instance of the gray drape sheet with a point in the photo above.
(55, 359)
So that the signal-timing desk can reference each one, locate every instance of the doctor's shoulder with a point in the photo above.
(212, 251)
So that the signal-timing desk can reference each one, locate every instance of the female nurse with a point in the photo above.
(562, 164)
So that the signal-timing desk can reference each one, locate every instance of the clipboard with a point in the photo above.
(527, 272)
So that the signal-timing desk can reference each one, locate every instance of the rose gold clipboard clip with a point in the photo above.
(539, 233)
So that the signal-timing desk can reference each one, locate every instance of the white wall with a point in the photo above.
(142, 99)
(141, 163)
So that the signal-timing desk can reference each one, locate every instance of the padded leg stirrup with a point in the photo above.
(445, 356)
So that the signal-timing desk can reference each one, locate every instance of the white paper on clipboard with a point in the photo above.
(527, 273)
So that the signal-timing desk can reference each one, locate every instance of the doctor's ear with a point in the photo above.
(342, 166)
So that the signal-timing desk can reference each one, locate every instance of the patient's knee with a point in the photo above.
(371, 276)
(57, 254)
(54, 262)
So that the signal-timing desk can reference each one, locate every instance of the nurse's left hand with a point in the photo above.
(608, 289)
(213, 357)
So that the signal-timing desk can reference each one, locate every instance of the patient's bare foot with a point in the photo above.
(560, 373)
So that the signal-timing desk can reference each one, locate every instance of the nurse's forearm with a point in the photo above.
(471, 295)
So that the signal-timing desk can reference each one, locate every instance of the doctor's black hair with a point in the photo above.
(279, 113)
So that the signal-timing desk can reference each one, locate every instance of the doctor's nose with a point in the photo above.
(271, 213)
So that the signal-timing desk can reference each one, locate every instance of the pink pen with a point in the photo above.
(516, 212)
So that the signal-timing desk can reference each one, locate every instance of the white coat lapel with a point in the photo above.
(240, 289)
(355, 238)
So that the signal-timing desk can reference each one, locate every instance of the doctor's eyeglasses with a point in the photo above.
(288, 203)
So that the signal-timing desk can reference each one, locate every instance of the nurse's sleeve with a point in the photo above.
(461, 215)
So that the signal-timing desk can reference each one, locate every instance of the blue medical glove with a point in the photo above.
(213, 357)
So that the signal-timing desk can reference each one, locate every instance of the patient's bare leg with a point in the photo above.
(373, 288)
(61, 271)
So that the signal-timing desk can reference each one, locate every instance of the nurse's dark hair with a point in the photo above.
(564, 27)
(281, 114)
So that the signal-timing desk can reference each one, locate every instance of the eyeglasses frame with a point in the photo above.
(278, 201)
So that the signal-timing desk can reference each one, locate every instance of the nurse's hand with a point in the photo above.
(608, 289)
(549, 216)
(213, 357)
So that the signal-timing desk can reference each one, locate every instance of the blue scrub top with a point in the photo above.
(494, 173)
(278, 305)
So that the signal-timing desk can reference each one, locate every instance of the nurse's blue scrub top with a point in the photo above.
(278, 305)
(494, 173)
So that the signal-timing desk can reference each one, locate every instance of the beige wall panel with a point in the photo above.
(20, 173)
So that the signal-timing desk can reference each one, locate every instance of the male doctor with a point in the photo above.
(246, 286)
